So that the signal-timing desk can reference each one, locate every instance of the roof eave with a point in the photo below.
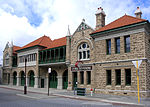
(118, 28)
(20, 50)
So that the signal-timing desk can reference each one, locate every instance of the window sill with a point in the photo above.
(84, 59)
(117, 85)
(127, 85)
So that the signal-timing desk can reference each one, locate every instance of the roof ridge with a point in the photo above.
(122, 21)
(136, 18)
(41, 39)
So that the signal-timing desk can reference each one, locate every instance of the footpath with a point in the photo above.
(39, 93)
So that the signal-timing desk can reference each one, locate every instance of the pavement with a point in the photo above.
(40, 93)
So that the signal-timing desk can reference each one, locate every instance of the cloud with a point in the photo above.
(26, 20)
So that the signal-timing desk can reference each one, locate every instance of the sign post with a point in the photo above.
(49, 71)
(137, 64)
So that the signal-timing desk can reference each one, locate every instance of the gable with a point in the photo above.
(83, 26)
(7, 46)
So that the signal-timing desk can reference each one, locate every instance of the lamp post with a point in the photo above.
(25, 86)
(49, 71)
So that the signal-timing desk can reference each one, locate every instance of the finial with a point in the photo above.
(68, 33)
(83, 20)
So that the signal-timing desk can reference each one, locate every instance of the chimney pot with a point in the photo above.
(138, 13)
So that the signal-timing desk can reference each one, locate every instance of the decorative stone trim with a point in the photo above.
(109, 36)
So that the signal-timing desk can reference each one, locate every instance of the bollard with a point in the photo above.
(91, 92)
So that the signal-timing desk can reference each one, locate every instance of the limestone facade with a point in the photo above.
(95, 62)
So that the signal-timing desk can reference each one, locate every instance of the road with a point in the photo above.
(14, 98)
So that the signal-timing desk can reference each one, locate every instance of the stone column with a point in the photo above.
(36, 82)
(27, 81)
(11, 80)
(85, 77)
(18, 81)
(59, 86)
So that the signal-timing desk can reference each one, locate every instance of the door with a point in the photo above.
(42, 83)
(22, 78)
(74, 80)
(53, 79)
(65, 79)
(31, 79)
(14, 78)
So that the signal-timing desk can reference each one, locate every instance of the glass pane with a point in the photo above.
(128, 76)
(80, 55)
(84, 45)
(84, 54)
(127, 44)
(118, 77)
(108, 77)
(108, 46)
(88, 54)
(117, 45)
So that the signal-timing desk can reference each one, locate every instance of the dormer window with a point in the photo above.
(6, 59)
(83, 51)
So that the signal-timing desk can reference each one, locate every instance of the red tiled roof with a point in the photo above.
(120, 22)
(57, 42)
(42, 41)
(15, 48)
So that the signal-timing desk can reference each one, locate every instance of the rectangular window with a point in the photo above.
(128, 76)
(127, 43)
(88, 77)
(117, 45)
(108, 46)
(108, 73)
(82, 77)
(118, 77)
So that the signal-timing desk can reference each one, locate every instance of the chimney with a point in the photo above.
(138, 13)
(100, 18)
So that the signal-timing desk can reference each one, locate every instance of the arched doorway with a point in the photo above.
(22, 78)
(53, 79)
(15, 78)
(65, 79)
(31, 79)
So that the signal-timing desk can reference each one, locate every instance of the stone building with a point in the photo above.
(105, 56)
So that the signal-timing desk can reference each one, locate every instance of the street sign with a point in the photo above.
(137, 63)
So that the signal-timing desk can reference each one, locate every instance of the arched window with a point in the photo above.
(7, 59)
(83, 51)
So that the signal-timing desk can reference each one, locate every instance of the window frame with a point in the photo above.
(126, 78)
(108, 81)
(117, 45)
(126, 44)
(108, 48)
(88, 77)
(83, 51)
(7, 59)
(118, 77)
(81, 77)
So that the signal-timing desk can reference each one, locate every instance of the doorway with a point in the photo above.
(65, 79)
(75, 80)
(42, 83)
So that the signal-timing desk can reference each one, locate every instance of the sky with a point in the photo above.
(23, 21)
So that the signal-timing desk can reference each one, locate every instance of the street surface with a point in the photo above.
(14, 98)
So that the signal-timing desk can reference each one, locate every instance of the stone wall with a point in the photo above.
(120, 61)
